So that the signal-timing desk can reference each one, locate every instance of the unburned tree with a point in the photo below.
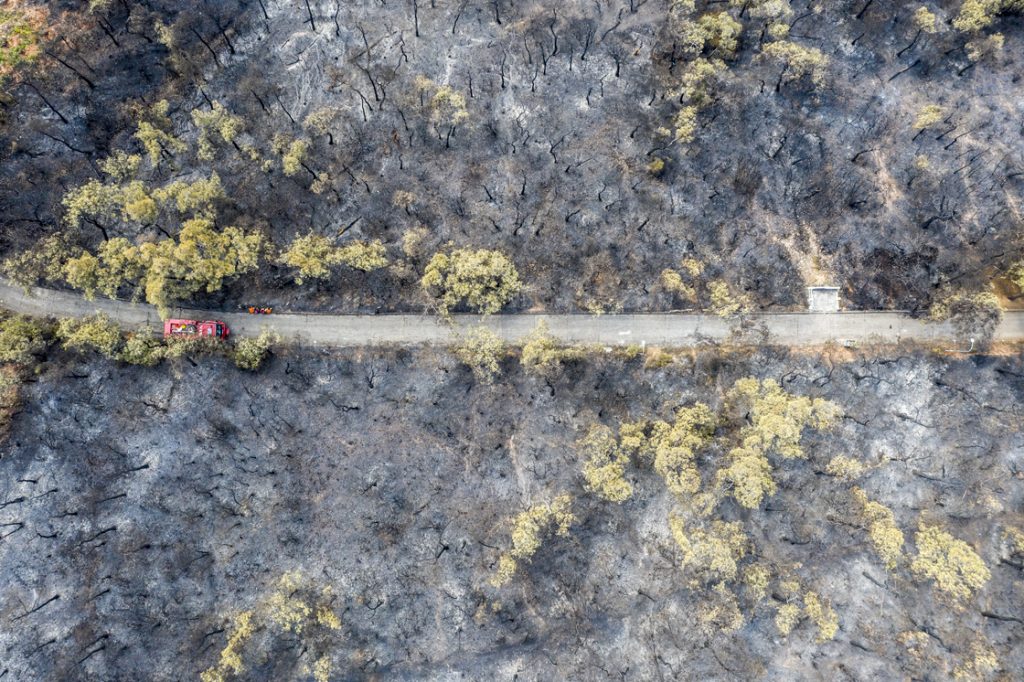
(250, 354)
(483, 280)
(97, 333)
(604, 464)
(313, 256)
(20, 339)
(798, 62)
(543, 354)
(481, 350)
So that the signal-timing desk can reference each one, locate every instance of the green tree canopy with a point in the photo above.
(20, 339)
(95, 332)
(313, 256)
(483, 280)
(481, 350)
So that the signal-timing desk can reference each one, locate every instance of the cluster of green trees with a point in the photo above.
(312, 256)
(717, 296)
(444, 106)
(708, 42)
(951, 564)
(99, 334)
(541, 354)
(481, 279)
(295, 607)
(167, 244)
(976, 15)
(200, 258)
(758, 416)
(22, 339)
(528, 531)
(162, 240)
(757, 421)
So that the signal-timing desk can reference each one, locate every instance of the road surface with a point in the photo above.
(657, 329)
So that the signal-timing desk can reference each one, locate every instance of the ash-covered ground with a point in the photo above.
(785, 183)
(143, 509)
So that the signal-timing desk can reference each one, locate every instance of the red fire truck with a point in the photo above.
(192, 329)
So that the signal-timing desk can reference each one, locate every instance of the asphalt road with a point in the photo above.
(660, 329)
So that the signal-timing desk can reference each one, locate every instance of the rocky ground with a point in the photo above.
(143, 509)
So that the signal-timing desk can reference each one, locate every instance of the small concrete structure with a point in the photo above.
(823, 299)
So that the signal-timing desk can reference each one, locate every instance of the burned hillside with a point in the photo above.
(596, 144)
(356, 505)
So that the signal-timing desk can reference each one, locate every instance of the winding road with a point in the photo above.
(658, 329)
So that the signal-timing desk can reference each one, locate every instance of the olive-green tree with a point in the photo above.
(925, 20)
(976, 15)
(216, 124)
(293, 155)
(672, 446)
(250, 353)
(481, 350)
(774, 422)
(44, 261)
(445, 106)
(985, 47)
(710, 552)
(143, 349)
(798, 62)
(604, 464)
(716, 32)
(528, 531)
(956, 569)
(363, 256)
(155, 132)
(777, 13)
(928, 116)
(543, 355)
(973, 315)
(96, 333)
(483, 280)
(20, 339)
(886, 537)
(724, 301)
(121, 166)
(313, 256)
(321, 120)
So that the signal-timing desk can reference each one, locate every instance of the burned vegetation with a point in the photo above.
(181, 509)
(871, 145)
(383, 513)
